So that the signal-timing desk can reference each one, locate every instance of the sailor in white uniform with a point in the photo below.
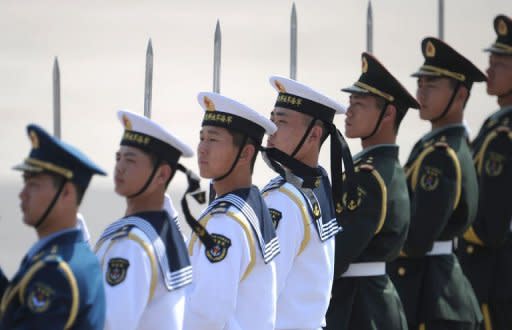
(233, 243)
(143, 255)
(300, 200)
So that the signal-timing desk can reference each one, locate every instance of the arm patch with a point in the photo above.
(276, 216)
(220, 250)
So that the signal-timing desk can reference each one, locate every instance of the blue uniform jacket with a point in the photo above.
(59, 287)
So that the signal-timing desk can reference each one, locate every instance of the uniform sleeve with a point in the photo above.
(217, 274)
(82, 226)
(435, 188)
(361, 219)
(127, 277)
(3, 283)
(289, 223)
(49, 297)
(494, 168)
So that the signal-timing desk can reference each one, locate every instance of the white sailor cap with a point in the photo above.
(143, 133)
(232, 115)
(296, 96)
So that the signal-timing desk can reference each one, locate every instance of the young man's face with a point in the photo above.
(216, 151)
(37, 194)
(362, 115)
(433, 95)
(499, 74)
(291, 126)
(132, 170)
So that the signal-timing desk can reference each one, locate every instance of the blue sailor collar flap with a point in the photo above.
(250, 203)
(318, 200)
(167, 242)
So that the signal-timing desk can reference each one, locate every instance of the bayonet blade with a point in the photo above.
(148, 86)
(440, 19)
(293, 43)
(217, 45)
(56, 98)
(369, 28)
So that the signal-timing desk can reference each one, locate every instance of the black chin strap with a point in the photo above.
(194, 189)
(50, 207)
(340, 157)
(381, 115)
(211, 195)
(449, 105)
(148, 181)
(304, 137)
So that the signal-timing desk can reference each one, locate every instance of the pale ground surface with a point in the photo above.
(101, 47)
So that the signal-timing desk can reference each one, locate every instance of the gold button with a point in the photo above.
(470, 249)
(401, 271)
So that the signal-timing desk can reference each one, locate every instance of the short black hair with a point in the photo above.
(157, 161)
(238, 141)
(59, 180)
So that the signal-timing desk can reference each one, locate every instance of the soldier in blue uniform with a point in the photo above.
(58, 285)
(375, 227)
(443, 191)
(485, 251)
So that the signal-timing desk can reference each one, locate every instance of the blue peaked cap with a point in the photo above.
(49, 154)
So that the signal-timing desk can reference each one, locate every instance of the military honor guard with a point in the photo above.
(233, 244)
(443, 191)
(300, 200)
(58, 284)
(375, 226)
(143, 255)
(485, 251)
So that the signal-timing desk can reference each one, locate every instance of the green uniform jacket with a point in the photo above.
(374, 230)
(444, 195)
(485, 251)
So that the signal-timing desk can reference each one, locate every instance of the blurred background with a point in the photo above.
(101, 47)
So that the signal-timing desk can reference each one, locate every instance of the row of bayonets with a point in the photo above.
(148, 86)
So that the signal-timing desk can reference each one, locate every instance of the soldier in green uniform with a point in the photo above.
(443, 190)
(375, 225)
(485, 252)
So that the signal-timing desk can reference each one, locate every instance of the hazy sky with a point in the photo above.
(101, 47)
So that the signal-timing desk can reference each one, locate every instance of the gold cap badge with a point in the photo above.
(34, 140)
(127, 123)
(502, 28)
(430, 50)
(279, 87)
(210, 106)
(364, 67)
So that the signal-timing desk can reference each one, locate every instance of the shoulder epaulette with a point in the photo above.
(220, 208)
(275, 183)
(121, 233)
(366, 167)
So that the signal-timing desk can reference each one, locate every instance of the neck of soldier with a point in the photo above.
(56, 222)
(505, 100)
(309, 156)
(384, 135)
(149, 200)
(239, 178)
(453, 116)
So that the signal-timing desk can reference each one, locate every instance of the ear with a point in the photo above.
(247, 152)
(462, 94)
(389, 113)
(68, 194)
(164, 173)
(316, 133)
